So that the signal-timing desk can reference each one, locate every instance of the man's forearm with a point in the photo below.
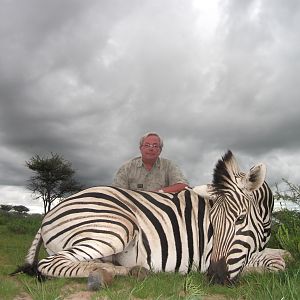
(174, 188)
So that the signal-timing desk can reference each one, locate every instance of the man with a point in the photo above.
(149, 172)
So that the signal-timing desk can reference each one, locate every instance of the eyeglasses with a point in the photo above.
(154, 146)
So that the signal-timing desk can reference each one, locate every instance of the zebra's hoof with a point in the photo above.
(98, 279)
(95, 281)
(139, 272)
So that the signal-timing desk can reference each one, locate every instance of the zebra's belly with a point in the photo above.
(135, 254)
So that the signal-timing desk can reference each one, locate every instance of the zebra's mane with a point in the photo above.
(225, 171)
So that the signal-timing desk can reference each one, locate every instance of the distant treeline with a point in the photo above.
(21, 209)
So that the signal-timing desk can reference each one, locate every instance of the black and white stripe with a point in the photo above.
(113, 229)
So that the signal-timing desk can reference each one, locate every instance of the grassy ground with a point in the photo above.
(17, 234)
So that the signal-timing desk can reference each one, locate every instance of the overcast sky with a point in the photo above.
(85, 79)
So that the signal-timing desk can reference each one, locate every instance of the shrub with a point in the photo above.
(286, 232)
(291, 218)
(289, 239)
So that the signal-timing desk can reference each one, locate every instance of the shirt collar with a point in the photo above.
(140, 162)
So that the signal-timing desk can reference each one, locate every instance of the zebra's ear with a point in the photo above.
(255, 177)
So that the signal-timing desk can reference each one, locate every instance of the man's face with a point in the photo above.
(150, 149)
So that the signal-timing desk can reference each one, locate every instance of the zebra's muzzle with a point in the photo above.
(218, 272)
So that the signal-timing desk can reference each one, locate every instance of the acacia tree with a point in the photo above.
(21, 209)
(53, 179)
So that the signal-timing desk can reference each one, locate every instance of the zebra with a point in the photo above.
(220, 229)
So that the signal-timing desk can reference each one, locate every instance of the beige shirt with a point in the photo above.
(133, 175)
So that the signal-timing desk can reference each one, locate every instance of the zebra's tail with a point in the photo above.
(31, 261)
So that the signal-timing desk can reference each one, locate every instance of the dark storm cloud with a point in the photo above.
(86, 79)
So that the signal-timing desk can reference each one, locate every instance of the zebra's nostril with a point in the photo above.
(218, 272)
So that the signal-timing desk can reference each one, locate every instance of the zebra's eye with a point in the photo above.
(240, 219)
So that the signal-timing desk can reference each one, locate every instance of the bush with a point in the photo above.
(290, 218)
(289, 241)
(286, 232)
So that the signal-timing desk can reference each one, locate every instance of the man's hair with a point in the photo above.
(161, 143)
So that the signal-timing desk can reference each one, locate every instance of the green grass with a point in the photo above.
(283, 285)
(48, 290)
(15, 243)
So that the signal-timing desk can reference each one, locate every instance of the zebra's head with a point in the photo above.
(241, 205)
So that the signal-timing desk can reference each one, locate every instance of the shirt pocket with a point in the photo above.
(159, 181)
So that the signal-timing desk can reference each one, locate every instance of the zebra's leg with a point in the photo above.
(267, 260)
(82, 261)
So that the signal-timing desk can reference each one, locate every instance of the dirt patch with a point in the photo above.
(82, 295)
(204, 297)
(214, 297)
(23, 296)
(85, 295)
(76, 292)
